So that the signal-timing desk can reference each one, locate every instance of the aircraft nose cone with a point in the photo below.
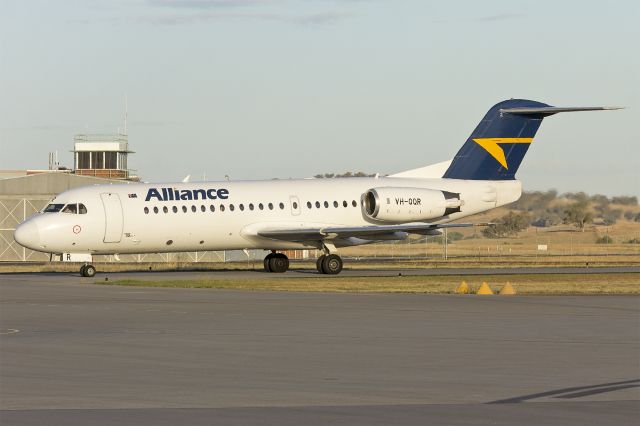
(27, 235)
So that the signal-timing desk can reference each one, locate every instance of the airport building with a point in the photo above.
(98, 159)
(103, 156)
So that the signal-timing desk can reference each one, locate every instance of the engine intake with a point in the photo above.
(400, 205)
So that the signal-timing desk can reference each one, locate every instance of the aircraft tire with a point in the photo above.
(332, 264)
(319, 263)
(279, 263)
(89, 271)
(267, 266)
(82, 270)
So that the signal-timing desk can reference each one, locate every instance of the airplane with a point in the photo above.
(276, 215)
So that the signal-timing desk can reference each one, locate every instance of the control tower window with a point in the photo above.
(83, 160)
(53, 208)
(97, 160)
(110, 160)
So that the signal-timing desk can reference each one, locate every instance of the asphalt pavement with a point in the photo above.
(75, 353)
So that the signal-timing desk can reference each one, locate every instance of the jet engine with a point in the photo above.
(398, 205)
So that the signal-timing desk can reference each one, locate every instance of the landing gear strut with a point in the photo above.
(330, 264)
(88, 270)
(276, 262)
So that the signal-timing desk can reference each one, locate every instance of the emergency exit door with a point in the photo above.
(113, 220)
(295, 205)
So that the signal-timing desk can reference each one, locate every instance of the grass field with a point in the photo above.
(551, 284)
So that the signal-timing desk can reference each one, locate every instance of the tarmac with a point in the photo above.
(75, 353)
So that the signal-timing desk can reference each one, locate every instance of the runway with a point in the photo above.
(73, 353)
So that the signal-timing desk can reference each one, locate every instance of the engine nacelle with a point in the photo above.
(400, 205)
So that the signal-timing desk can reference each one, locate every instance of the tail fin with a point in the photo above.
(497, 146)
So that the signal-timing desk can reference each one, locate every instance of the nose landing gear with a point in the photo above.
(276, 262)
(88, 270)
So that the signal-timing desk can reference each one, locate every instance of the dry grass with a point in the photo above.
(551, 284)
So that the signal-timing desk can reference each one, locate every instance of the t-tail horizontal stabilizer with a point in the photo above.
(553, 110)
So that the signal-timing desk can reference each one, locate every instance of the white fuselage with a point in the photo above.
(123, 219)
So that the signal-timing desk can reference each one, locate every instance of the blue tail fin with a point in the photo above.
(497, 146)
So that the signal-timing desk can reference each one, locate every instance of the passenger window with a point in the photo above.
(175, 209)
(344, 203)
(335, 204)
(82, 209)
(231, 207)
(184, 209)
(212, 208)
(155, 210)
(295, 205)
(193, 209)
(221, 207)
(70, 208)
(281, 206)
(203, 208)
(318, 204)
(260, 206)
(270, 206)
(353, 203)
(165, 209)
(146, 210)
(241, 207)
(250, 206)
(308, 204)
(53, 208)
(326, 205)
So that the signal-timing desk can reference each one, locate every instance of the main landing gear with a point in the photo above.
(330, 264)
(276, 262)
(87, 270)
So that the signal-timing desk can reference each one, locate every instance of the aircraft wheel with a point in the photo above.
(82, 270)
(319, 263)
(279, 263)
(267, 266)
(88, 271)
(332, 264)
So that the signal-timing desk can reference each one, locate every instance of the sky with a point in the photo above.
(292, 88)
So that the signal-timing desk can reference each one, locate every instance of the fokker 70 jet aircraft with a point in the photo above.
(275, 215)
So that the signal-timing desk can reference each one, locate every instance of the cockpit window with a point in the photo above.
(53, 208)
(82, 209)
(70, 208)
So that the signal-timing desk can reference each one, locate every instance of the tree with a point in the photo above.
(611, 216)
(507, 225)
(578, 214)
(579, 197)
(625, 200)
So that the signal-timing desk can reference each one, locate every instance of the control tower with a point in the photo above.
(102, 155)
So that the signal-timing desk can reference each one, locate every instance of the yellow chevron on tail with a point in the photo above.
(491, 146)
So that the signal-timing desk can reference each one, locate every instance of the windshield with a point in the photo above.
(53, 208)
(70, 208)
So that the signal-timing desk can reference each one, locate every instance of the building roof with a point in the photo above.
(48, 184)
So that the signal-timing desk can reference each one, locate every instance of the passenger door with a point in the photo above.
(113, 219)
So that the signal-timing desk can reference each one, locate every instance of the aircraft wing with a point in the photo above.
(365, 232)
